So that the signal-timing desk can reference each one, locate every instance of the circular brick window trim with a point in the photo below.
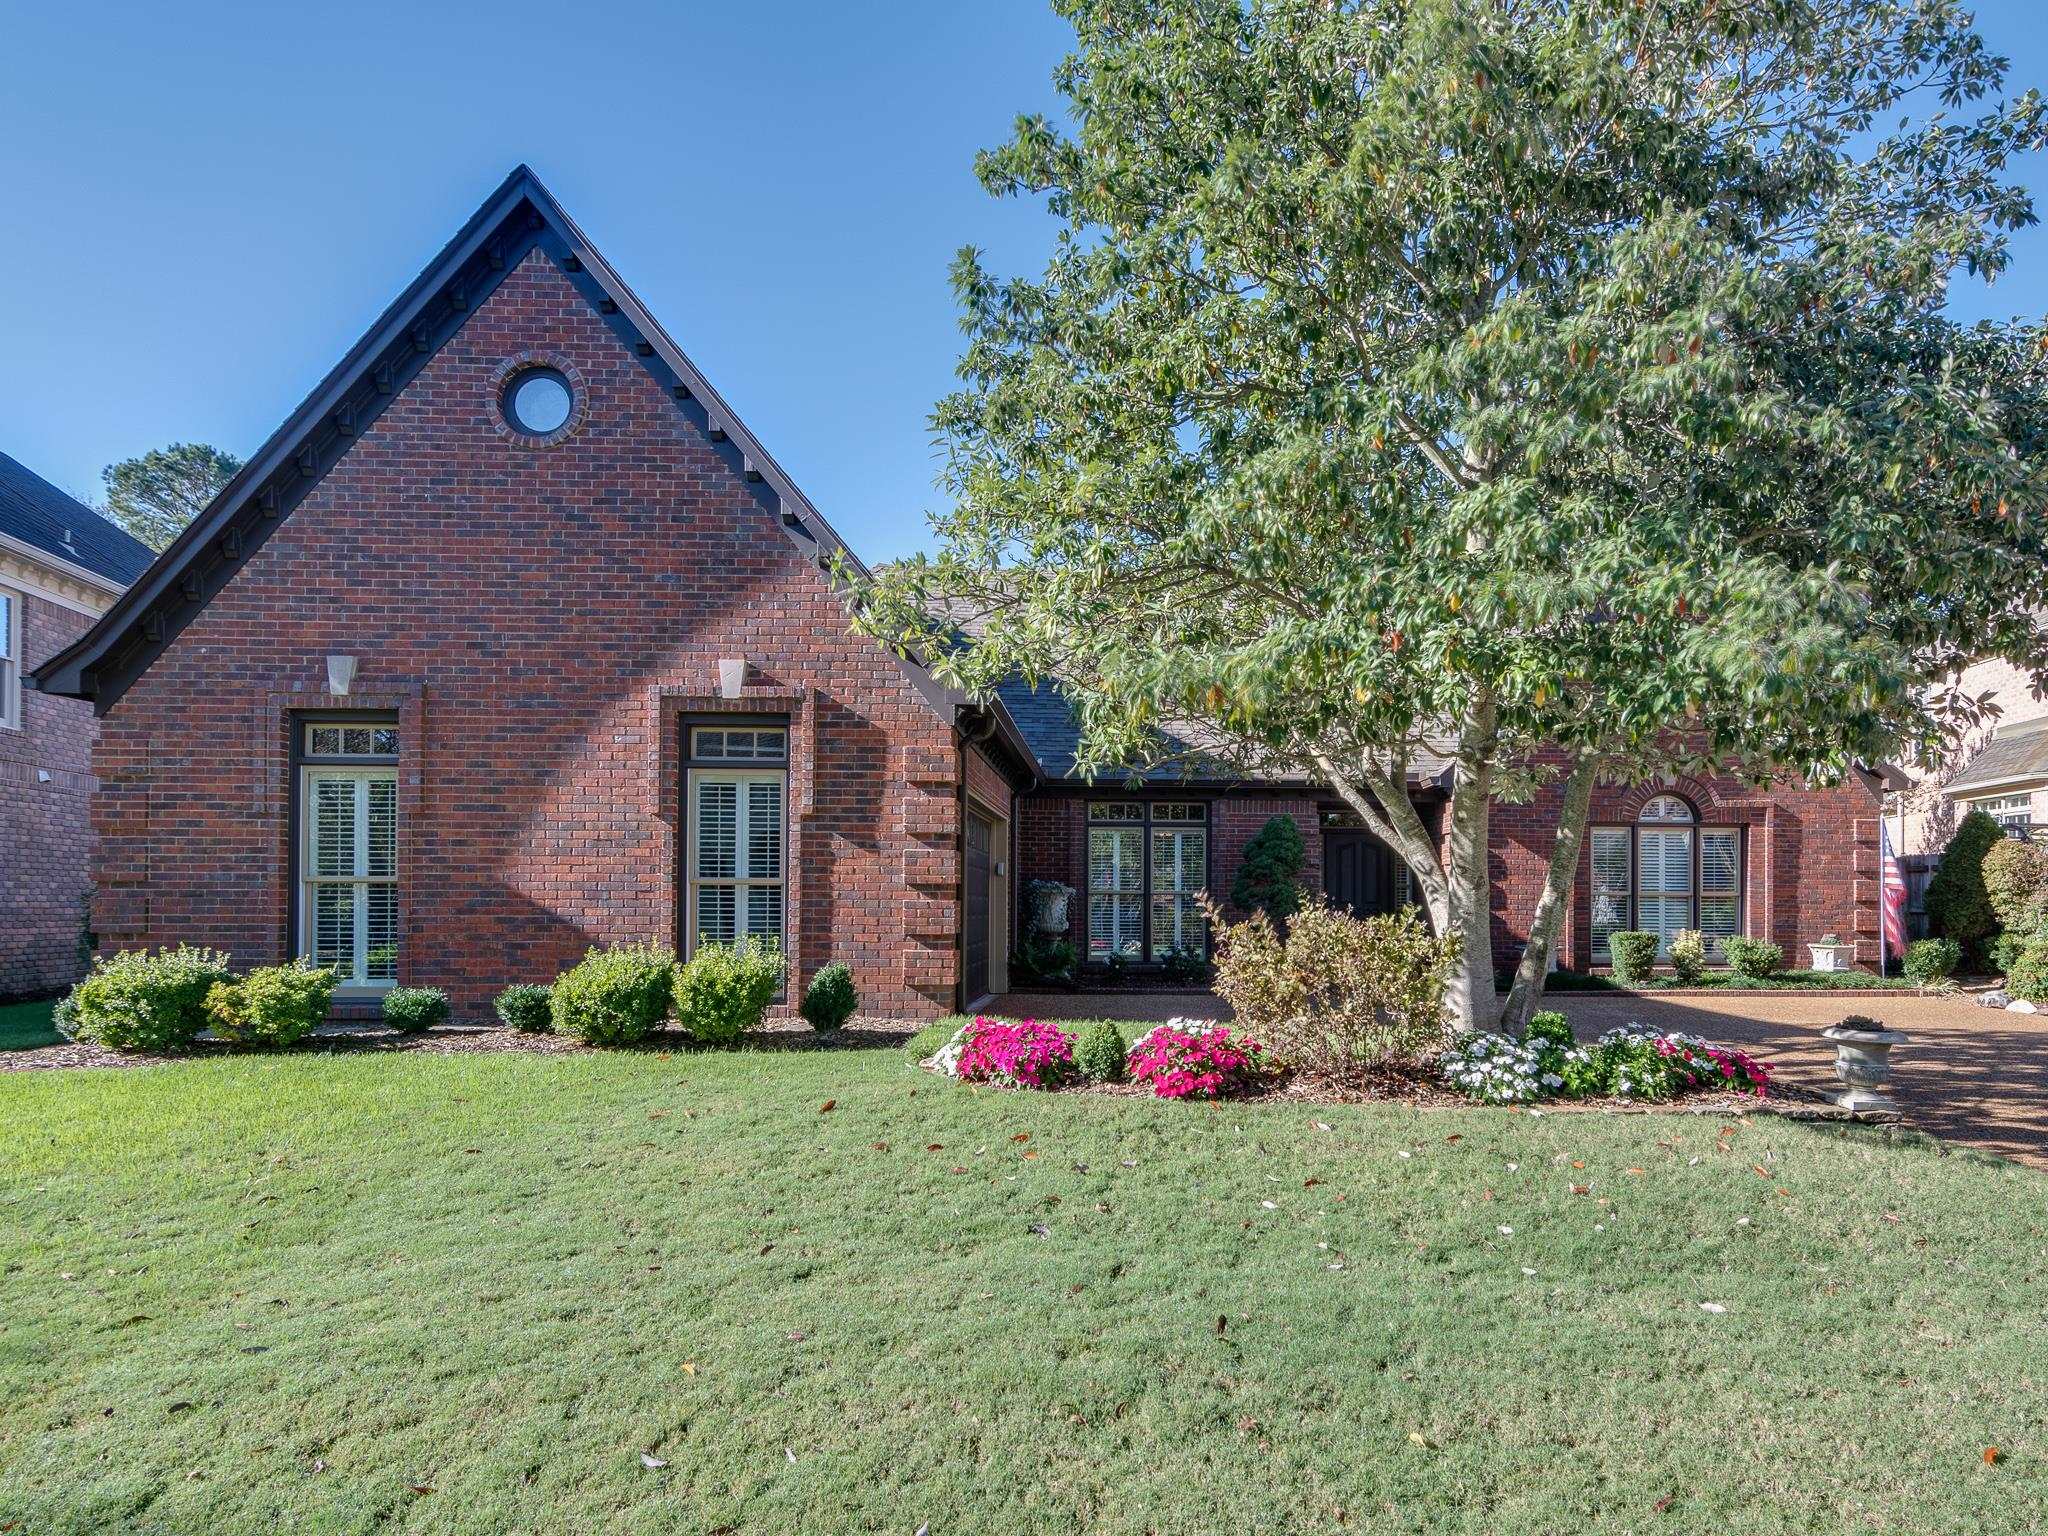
(503, 380)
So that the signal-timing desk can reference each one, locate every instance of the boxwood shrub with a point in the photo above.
(1100, 1053)
(138, 1001)
(527, 1007)
(413, 1010)
(614, 996)
(1754, 958)
(1635, 955)
(725, 988)
(1931, 960)
(830, 1000)
(272, 1005)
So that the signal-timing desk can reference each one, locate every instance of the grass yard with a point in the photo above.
(1730, 981)
(466, 1293)
(26, 1026)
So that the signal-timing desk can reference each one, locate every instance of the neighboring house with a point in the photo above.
(514, 639)
(61, 567)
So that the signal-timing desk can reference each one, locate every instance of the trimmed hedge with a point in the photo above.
(1634, 954)
(1100, 1053)
(527, 1007)
(1931, 959)
(138, 1001)
(830, 1000)
(1754, 958)
(273, 1005)
(414, 1010)
(615, 996)
(726, 988)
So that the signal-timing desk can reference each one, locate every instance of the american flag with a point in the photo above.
(1893, 882)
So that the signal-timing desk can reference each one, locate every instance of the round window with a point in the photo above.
(537, 401)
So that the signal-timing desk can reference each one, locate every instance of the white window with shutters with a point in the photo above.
(10, 659)
(1147, 863)
(348, 907)
(1180, 870)
(737, 837)
(1665, 874)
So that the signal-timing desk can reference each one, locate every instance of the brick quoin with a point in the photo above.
(542, 617)
(45, 823)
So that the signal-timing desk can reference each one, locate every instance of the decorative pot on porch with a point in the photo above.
(1831, 954)
(1863, 1049)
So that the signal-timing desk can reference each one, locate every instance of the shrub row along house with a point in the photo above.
(514, 639)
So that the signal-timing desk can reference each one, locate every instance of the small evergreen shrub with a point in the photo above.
(1958, 904)
(1099, 1053)
(272, 1005)
(1269, 878)
(1634, 953)
(1754, 958)
(830, 1000)
(1043, 957)
(1551, 1028)
(726, 988)
(414, 1010)
(1689, 956)
(64, 1017)
(1184, 965)
(614, 996)
(526, 1006)
(1931, 960)
(138, 1001)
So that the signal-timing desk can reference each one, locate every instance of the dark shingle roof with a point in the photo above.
(37, 513)
(2018, 751)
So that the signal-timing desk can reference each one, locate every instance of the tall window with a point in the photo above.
(348, 849)
(1665, 874)
(737, 789)
(10, 659)
(1146, 862)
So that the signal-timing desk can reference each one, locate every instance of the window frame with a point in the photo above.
(1141, 816)
(11, 624)
(1699, 830)
(2001, 806)
(307, 767)
(739, 771)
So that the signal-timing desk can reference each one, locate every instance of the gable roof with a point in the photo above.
(34, 512)
(515, 219)
(2017, 754)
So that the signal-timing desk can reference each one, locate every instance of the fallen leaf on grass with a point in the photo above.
(1758, 1170)
(1582, 1189)
(689, 1367)
(1310, 1183)
(1021, 1136)
(1993, 1455)
(1221, 1322)
(1712, 1306)
(1032, 1153)
(1634, 1170)
(1664, 1503)
(1415, 1437)
(1454, 1139)
(651, 1463)
(881, 1146)
(420, 1487)
(786, 1451)
(658, 1114)
(795, 1335)
(935, 1146)
(828, 1106)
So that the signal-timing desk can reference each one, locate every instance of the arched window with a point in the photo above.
(1666, 873)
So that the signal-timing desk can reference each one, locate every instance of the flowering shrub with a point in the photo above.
(1193, 1059)
(1641, 1063)
(1631, 1062)
(1018, 1055)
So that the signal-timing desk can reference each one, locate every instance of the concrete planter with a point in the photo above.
(1863, 1063)
(1833, 957)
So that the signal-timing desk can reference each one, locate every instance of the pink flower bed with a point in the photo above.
(1184, 1060)
(1714, 1066)
(1026, 1055)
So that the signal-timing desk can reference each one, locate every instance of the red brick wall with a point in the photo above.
(45, 824)
(1811, 862)
(541, 617)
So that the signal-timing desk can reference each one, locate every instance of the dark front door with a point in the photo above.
(975, 939)
(1358, 873)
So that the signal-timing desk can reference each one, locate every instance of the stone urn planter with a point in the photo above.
(1831, 954)
(1048, 901)
(1863, 1049)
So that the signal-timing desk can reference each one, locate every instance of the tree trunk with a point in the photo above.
(1471, 996)
(1555, 900)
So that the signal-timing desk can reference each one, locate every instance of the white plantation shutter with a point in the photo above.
(1180, 868)
(10, 660)
(1720, 885)
(737, 851)
(1664, 882)
(349, 870)
(1611, 884)
(1116, 891)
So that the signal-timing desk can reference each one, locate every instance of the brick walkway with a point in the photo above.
(1970, 1075)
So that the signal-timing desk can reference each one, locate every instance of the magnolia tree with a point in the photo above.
(1560, 386)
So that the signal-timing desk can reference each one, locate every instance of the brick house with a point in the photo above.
(513, 639)
(61, 567)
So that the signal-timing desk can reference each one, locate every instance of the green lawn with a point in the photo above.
(297, 1293)
(1779, 981)
(26, 1026)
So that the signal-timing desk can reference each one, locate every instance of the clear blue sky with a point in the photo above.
(206, 204)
